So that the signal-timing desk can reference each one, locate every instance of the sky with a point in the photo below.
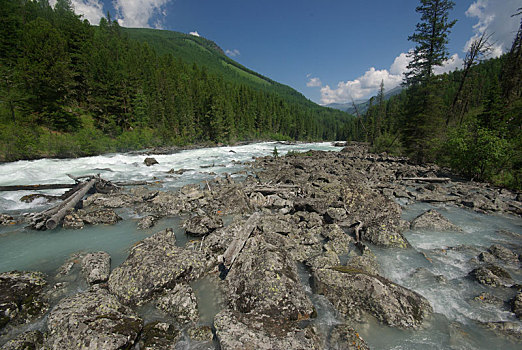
(332, 51)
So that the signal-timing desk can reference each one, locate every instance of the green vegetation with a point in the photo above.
(71, 89)
(470, 119)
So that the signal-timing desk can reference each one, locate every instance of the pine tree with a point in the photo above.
(431, 37)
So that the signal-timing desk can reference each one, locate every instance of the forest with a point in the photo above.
(69, 89)
(469, 120)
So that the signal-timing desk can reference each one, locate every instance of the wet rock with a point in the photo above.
(202, 225)
(492, 275)
(104, 216)
(95, 320)
(26, 341)
(6, 219)
(203, 334)
(159, 336)
(433, 220)
(366, 262)
(146, 222)
(478, 202)
(516, 305)
(73, 221)
(487, 298)
(354, 292)
(113, 200)
(21, 297)
(180, 303)
(96, 267)
(511, 330)
(149, 161)
(344, 337)
(264, 279)
(237, 331)
(487, 257)
(504, 254)
(153, 265)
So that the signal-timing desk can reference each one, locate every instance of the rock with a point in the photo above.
(159, 336)
(334, 215)
(25, 341)
(344, 337)
(149, 161)
(203, 334)
(354, 292)
(487, 298)
(7, 220)
(146, 222)
(92, 320)
(516, 305)
(21, 297)
(366, 262)
(337, 240)
(153, 265)
(503, 254)
(96, 267)
(324, 260)
(104, 216)
(487, 257)
(180, 303)
(73, 221)
(237, 331)
(277, 224)
(433, 220)
(264, 279)
(492, 275)
(200, 226)
(511, 330)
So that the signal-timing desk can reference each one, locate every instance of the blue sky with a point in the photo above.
(329, 50)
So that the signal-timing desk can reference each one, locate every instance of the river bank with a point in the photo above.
(325, 254)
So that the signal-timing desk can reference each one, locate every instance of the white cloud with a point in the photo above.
(314, 82)
(195, 33)
(138, 13)
(494, 17)
(452, 63)
(233, 53)
(91, 10)
(400, 64)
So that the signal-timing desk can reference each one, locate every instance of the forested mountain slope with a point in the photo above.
(69, 89)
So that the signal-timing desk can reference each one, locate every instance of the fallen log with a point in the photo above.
(35, 187)
(428, 179)
(239, 241)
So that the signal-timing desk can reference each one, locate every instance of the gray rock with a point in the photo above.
(21, 297)
(96, 267)
(366, 262)
(146, 222)
(492, 275)
(149, 161)
(487, 298)
(95, 320)
(103, 216)
(354, 292)
(338, 240)
(344, 337)
(159, 336)
(32, 340)
(202, 333)
(202, 225)
(433, 220)
(7, 219)
(73, 221)
(504, 254)
(516, 305)
(237, 331)
(511, 330)
(264, 279)
(324, 260)
(334, 215)
(153, 265)
(277, 224)
(180, 303)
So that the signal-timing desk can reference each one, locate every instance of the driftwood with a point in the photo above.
(35, 187)
(427, 179)
(239, 241)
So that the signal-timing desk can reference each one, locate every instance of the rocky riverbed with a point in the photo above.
(310, 232)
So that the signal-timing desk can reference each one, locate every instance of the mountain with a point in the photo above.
(362, 106)
(206, 53)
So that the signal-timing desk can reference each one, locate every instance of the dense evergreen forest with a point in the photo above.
(469, 119)
(71, 89)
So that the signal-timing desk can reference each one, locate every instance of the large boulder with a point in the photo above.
(21, 297)
(433, 220)
(154, 265)
(516, 305)
(504, 254)
(355, 292)
(159, 336)
(202, 225)
(237, 331)
(264, 279)
(180, 303)
(492, 275)
(25, 341)
(96, 267)
(149, 161)
(92, 320)
(344, 337)
(103, 216)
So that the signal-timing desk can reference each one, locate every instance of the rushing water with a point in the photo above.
(436, 267)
